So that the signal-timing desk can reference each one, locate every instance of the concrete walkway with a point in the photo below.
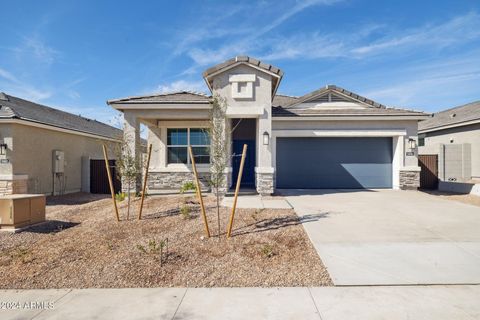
(414, 302)
(388, 237)
(257, 202)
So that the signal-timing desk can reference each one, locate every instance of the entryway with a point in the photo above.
(244, 132)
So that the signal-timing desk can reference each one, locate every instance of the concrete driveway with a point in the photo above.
(390, 237)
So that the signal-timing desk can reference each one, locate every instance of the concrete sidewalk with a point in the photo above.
(411, 302)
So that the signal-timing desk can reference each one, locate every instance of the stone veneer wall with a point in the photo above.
(175, 180)
(13, 187)
(409, 180)
(264, 183)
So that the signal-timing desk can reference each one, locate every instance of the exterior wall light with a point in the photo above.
(266, 138)
(3, 149)
(412, 144)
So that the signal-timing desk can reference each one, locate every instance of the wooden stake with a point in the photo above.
(145, 181)
(112, 190)
(199, 192)
(237, 189)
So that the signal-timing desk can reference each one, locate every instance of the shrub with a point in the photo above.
(120, 196)
(185, 211)
(267, 251)
(188, 186)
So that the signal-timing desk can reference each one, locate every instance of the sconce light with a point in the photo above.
(3, 148)
(266, 138)
(412, 144)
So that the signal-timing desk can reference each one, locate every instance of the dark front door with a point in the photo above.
(248, 176)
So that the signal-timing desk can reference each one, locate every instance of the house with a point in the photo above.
(44, 150)
(329, 138)
(454, 136)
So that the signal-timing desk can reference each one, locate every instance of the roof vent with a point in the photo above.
(453, 115)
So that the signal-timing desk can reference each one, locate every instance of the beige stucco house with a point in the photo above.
(454, 136)
(45, 150)
(329, 138)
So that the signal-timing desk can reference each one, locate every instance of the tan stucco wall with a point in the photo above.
(466, 134)
(32, 155)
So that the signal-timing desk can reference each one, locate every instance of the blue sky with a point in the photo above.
(74, 55)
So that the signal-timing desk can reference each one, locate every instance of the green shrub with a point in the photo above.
(120, 196)
(185, 211)
(267, 251)
(188, 186)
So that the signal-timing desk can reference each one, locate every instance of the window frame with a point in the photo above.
(189, 160)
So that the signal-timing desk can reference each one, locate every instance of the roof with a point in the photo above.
(16, 108)
(455, 116)
(244, 59)
(290, 106)
(171, 97)
(221, 67)
(292, 112)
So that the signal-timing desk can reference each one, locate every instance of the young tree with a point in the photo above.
(128, 168)
(219, 151)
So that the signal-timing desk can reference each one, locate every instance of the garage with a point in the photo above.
(334, 163)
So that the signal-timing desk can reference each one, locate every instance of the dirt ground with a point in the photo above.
(82, 246)
(465, 198)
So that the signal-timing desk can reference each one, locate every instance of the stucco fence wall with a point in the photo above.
(30, 154)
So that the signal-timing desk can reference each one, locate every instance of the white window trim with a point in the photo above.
(189, 161)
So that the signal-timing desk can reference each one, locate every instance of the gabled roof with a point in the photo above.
(332, 88)
(289, 106)
(171, 97)
(16, 108)
(224, 66)
(457, 116)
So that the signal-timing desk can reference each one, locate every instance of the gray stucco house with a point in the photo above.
(45, 150)
(329, 138)
(454, 136)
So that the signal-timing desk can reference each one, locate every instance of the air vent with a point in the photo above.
(335, 98)
(323, 98)
(453, 115)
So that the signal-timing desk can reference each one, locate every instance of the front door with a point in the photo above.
(248, 176)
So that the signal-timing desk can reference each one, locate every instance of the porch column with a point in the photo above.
(264, 171)
(131, 134)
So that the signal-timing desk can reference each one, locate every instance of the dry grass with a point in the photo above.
(465, 198)
(82, 246)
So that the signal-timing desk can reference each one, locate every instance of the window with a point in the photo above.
(178, 140)
(421, 140)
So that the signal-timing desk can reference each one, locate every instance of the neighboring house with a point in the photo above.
(454, 136)
(329, 138)
(44, 150)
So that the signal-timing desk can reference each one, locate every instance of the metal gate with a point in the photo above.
(429, 173)
(99, 177)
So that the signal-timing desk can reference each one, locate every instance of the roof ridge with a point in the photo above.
(197, 93)
(458, 107)
(286, 95)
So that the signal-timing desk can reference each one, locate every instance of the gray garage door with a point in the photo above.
(329, 163)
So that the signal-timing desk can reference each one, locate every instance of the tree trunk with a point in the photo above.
(218, 213)
(128, 204)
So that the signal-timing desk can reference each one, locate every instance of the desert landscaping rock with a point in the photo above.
(82, 246)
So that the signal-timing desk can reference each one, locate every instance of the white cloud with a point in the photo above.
(180, 85)
(242, 45)
(33, 48)
(10, 84)
(457, 30)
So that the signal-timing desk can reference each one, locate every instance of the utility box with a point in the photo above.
(21, 210)
(58, 163)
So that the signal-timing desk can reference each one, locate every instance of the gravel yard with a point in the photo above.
(82, 246)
